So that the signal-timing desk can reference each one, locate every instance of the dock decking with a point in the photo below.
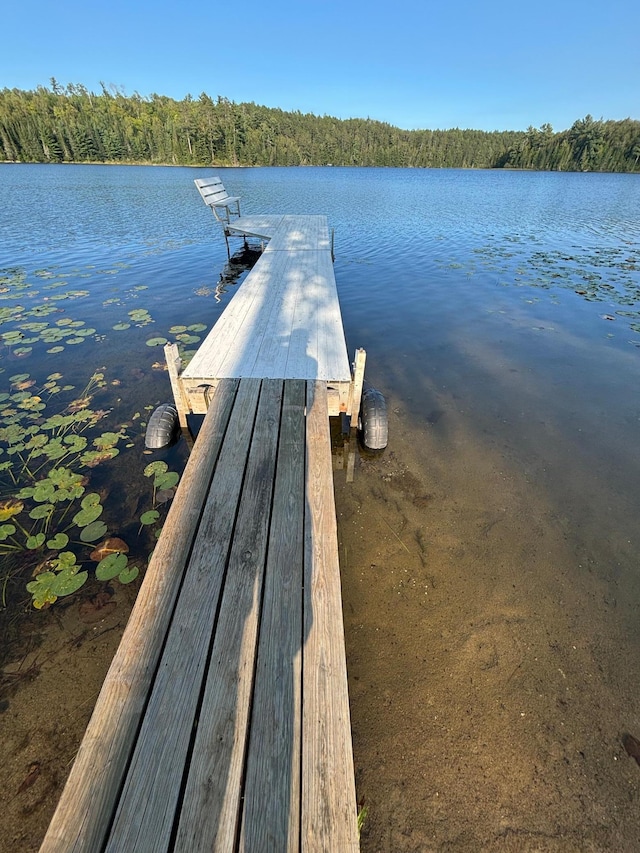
(284, 322)
(223, 723)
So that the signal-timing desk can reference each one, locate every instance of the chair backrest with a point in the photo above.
(212, 191)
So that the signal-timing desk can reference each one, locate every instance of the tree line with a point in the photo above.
(74, 125)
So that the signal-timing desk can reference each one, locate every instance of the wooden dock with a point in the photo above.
(223, 723)
(284, 322)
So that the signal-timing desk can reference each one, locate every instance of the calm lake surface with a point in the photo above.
(491, 578)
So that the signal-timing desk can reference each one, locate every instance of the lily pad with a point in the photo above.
(64, 560)
(149, 517)
(157, 342)
(87, 516)
(155, 468)
(129, 574)
(34, 542)
(41, 590)
(59, 541)
(166, 481)
(93, 531)
(68, 581)
(6, 530)
(41, 511)
(111, 566)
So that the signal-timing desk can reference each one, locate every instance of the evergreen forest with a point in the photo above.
(71, 124)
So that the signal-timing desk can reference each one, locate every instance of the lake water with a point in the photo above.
(491, 581)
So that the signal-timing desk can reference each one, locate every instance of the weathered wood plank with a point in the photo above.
(83, 815)
(271, 815)
(329, 819)
(153, 783)
(211, 805)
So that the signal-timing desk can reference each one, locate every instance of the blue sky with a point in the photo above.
(492, 65)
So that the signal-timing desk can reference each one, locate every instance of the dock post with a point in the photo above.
(172, 357)
(355, 391)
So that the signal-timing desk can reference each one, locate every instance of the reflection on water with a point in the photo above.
(489, 556)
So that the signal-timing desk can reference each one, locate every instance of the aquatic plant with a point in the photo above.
(164, 486)
(25, 313)
(50, 517)
(46, 458)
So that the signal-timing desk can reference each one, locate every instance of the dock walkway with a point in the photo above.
(223, 723)
(284, 322)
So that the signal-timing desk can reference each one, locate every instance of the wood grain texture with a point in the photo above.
(271, 815)
(329, 818)
(154, 778)
(84, 812)
(223, 724)
(211, 805)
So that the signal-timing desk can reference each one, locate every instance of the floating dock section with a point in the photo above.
(284, 322)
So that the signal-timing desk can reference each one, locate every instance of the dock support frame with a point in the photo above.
(355, 390)
(174, 363)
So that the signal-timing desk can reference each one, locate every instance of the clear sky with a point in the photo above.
(487, 64)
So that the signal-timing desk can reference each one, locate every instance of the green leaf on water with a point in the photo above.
(87, 516)
(41, 590)
(120, 327)
(155, 468)
(110, 566)
(60, 540)
(6, 530)
(107, 440)
(166, 481)
(90, 500)
(42, 511)
(44, 492)
(68, 582)
(149, 517)
(34, 542)
(55, 349)
(65, 560)
(129, 574)
(157, 342)
(92, 532)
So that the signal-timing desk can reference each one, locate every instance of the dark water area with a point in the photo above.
(489, 557)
